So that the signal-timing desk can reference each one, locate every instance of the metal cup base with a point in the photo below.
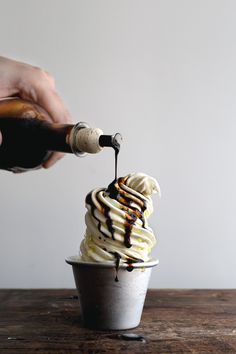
(107, 304)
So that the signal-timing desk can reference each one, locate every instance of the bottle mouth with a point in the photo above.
(116, 140)
(113, 141)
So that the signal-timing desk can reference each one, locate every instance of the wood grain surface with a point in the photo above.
(174, 321)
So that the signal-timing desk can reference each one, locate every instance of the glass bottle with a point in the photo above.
(28, 139)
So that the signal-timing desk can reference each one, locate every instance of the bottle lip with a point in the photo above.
(117, 140)
(113, 141)
(72, 138)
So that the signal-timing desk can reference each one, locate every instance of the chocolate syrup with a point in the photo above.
(89, 201)
(108, 219)
(117, 263)
(130, 268)
(126, 199)
(130, 261)
(116, 160)
(114, 142)
(132, 337)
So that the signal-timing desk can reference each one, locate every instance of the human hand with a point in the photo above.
(36, 85)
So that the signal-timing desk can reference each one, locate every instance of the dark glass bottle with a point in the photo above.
(28, 139)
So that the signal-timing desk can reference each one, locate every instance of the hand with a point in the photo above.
(36, 85)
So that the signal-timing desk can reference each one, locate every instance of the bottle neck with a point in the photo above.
(76, 139)
(54, 136)
(79, 139)
(84, 139)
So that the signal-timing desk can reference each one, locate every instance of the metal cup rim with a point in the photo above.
(76, 261)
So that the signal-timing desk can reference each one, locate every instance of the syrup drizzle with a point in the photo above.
(126, 199)
(117, 263)
(116, 162)
(116, 147)
(89, 201)
(116, 191)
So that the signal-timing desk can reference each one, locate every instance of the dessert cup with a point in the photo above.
(111, 299)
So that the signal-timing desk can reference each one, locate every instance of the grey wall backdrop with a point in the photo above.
(163, 73)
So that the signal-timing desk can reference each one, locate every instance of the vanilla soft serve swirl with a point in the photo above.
(116, 221)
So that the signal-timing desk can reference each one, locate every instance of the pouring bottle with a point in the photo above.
(28, 138)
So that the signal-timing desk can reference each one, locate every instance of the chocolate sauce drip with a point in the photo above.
(114, 142)
(128, 229)
(125, 198)
(130, 262)
(143, 210)
(89, 201)
(107, 210)
(116, 191)
(112, 190)
(130, 267)
(116, 147)
(117, 263)
(116, 162)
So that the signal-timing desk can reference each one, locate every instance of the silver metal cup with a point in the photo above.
(106, 303)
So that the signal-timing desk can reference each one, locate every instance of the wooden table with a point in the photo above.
(173, 321)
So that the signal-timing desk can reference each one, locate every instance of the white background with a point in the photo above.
(163, 73)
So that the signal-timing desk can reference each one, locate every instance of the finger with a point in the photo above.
(53, 159)
(54, 105)
(38, 86)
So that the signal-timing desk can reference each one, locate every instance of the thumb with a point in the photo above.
(0, 138)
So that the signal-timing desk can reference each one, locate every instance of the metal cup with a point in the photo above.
(107, 304)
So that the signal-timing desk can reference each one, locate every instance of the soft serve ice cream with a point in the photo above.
(117, 221)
